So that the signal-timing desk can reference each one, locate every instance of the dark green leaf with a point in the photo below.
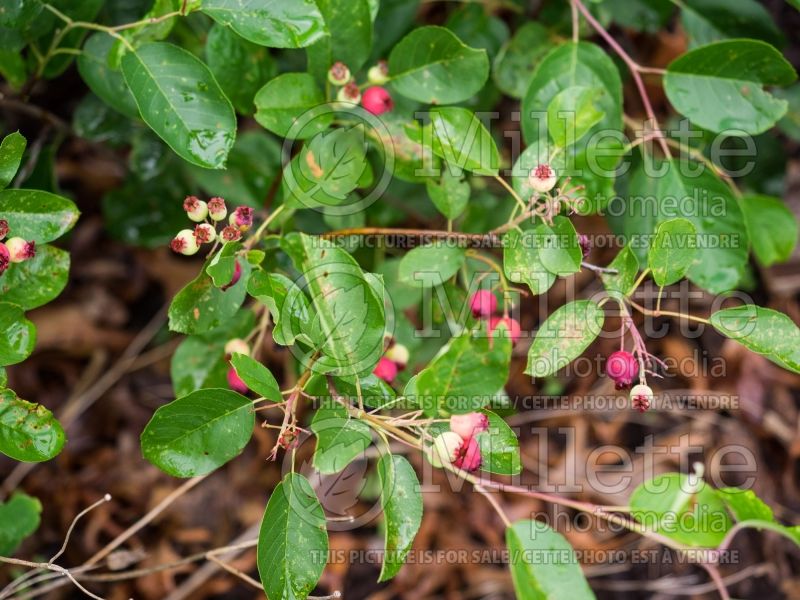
(18, 335)
(257, 377)
(181, 101)
(450, 194)
(36, 281)
(19, 518)
(514, 65)
(341, 438)
(108, 84)
(198, 433)
(28, 432)
(707, 21)
(11, 150)
(771, 227)
(402, 509)
(349, 24)
(478, 28)
(37, 216)
(641, 15)
(572, 113)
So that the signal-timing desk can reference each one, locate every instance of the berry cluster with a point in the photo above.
(622, 368)
(208, 215)
(14, 249)
(483, 305)
(459, 446)
(375, 99)
(392, 362)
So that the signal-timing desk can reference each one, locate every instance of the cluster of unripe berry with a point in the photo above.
(208, 215)
(459, 446)
(375, 99)
(622, 368)
(392, 362)
(14, 249)
(483, 305)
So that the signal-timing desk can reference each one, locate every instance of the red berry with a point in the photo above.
(385, 369)
(237, 274)
(3, 228)
(483, 303)
(511, 326)
(377, 100)
(469, 425)
(468, 456)
(622, 368)
(235, 382)
(5, 258)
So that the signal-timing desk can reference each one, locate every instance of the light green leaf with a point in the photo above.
(762, 330)
(499, 447)
(293, 98)
(257, 377)
(402, 508)
(18, 335)
(428, 266)
(181, 101)
(293, 541)
(20, 516)
(11, 150)
(673, 251)
(37, 216)
(564, 336)
(771, 227)
(450, 194)
(559, 250)
(459, 137)
(514, 65)
(28, 432)
(222, 265)
(288, 306)
(719, 86)
(341, 438)
(627, 266)
(543, 564)
(198, 433)
(670, 505)
(572, 113)
(748, 508)
(465, 375)
(38, 280)
(273, 23)
(432, 65)
(201, 306)
(522, 262)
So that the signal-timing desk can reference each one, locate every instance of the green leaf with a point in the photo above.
(36, 281)
(201, 306)
(459, 137)
(327, 169)
(18, 335)
(478, 28)
(239, 66)
(762, 330)
(341, 438)
(559, 250)
(349, 24)
(199, 361)
(771, 227)
(707, 21)
(719, 86)
(349, 315)
(3, 377)
(37, 216)
(289, 307)
(790, 123)
(181, 101)
(375, 392)
(273, 23)
(198, 433)
(522, 262)
(514, 65)
(749, 509)
(450, 194)
(293, 541)
(673, 251)
(709, 205)
(564, 336)
(670, 505)
(627, 266)
(432, 65)
(465, 375)
(641, 15)
(401, 501)
(20, 516)
(499, 447)
(222, 265)
(572, 113)
(28, 432)
(427, 266)
(543, 564)
(289, 99)
(13, 68)
(107, 83)
(11, 150)
(257, 377)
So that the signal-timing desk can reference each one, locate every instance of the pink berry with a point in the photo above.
(377, 100)
(483, 303)
(3, 228)
(468, 456)
(217, 209)
(237, 274)
(20, 250)
(385, 369)
(469, 425)
(242, 218)
(641, 397)
(338, 74)
(231, 234)
(511, 327)
(622, 368)
(204, 233)
(5, 258)
(235, 382)
(543, 178)
(585, 243)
